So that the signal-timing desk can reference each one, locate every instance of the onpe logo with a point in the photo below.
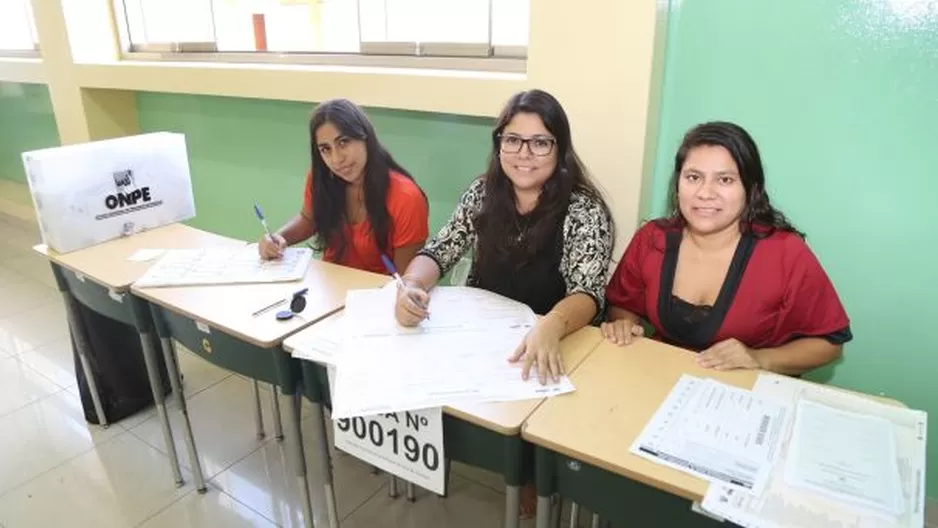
(124, 181)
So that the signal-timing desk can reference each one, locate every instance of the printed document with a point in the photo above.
(715, 431)
(784, 505)
(209, 266)
(460, 355)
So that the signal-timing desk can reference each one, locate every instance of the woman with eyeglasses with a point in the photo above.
(538, 228)
(359, 203)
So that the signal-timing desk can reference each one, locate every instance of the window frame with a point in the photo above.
(481, 57)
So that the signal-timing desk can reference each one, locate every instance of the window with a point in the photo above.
(438, 28)
(17, 28)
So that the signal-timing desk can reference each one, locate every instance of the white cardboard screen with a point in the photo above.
(89, 193)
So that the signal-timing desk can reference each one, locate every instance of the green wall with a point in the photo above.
(26, 123)
(842, 97)
(246, 150)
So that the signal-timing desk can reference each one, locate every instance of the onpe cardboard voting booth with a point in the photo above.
(89, 193)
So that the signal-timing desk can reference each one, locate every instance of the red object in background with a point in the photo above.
(260, 32)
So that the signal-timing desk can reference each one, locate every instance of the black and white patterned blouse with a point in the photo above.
(585, 252)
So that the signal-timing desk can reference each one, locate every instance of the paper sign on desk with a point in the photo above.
(783, 505)
(407, 444)
(717, 432)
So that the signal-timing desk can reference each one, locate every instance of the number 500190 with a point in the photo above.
(374, 433)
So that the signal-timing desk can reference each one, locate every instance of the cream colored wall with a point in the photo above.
(597, 56)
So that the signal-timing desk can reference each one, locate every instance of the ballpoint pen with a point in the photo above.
(272, 305)
(260, 216)
(389, 265)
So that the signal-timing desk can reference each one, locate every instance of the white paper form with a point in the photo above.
(321, 342)
(241, 265)
(460, 355)
(848, 456)
(453, 308)
(783, 506)
(717, 432)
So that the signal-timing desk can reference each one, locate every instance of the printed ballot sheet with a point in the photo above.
(848, 456)
(459, 355)
(241, 265)
(717, 432)
(786, 504)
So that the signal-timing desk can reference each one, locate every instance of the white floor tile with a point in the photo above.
(21, 385)
(222, 422)
(214, 509)
(267, 482)
(119, 484)
(54, 361)
(34, 266)
(23, 296)
(8, 276)
(33, 328)
(44, 434)
(468, 506)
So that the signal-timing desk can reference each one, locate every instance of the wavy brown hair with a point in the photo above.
(499, 209)
(758, 211)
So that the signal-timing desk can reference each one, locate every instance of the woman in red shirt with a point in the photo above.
(725, 273)
(359, 202)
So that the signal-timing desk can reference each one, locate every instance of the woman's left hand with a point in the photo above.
(728, 355)
(541, 347)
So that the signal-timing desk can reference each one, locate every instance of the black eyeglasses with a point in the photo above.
(537, 145)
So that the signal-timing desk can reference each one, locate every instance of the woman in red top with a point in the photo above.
(359, 203)
(726, 274)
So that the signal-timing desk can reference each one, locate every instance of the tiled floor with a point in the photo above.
(58, 471)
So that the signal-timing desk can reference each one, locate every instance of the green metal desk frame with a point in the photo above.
(465, 442)
(617, 499)
(269, 365)
(126, 308)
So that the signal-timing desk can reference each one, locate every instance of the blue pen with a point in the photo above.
(260, 216)
(389, 265)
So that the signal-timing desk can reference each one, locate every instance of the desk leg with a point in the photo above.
(321, 450)
(574, 515)
(544, 480)
(299, 459)
(278, 425)
(392, 487)
(411, 492)
(514, 479)
(512, 506)
(159, 398)
(169, 356)
(81, 345)
(258, 413)
(543, 512)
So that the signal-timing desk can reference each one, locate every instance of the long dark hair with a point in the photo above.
(759, 216)
(329, 214)
(495, 239)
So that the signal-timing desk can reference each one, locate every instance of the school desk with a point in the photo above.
(582, 440)
(99, 277)
(217, 324)
(485, 435)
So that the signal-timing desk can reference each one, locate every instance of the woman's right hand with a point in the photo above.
(271, 246)
(622, 331)
(411, 306)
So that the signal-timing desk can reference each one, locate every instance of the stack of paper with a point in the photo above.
(717, 432)
(459, 355)
(847, 461)
(240, 265)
